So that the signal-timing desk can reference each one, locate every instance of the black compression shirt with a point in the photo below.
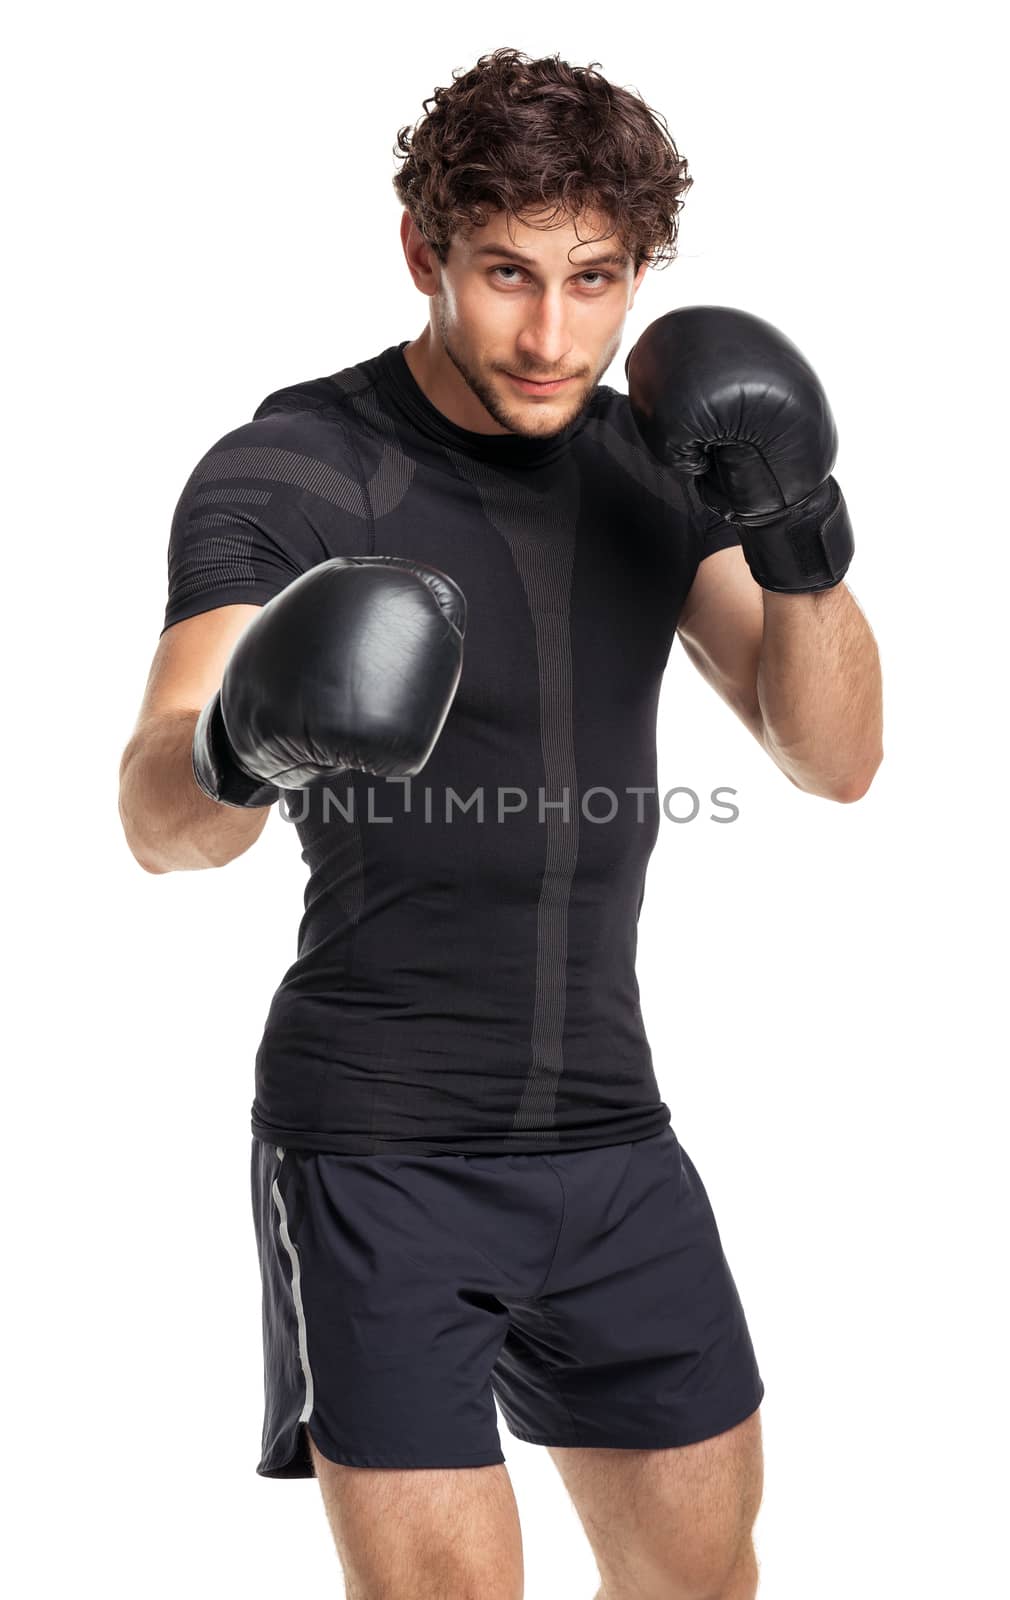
(465, 975)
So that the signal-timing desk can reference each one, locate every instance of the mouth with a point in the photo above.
(528, 386)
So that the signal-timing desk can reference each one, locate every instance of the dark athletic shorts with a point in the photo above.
(586, 1291)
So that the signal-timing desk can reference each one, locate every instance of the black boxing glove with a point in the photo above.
(722, 396)
(352, 667)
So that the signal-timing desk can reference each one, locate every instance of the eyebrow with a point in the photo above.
(527, 261)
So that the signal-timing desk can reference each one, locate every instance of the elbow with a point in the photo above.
(850, 793)
(144, 858)
(157, 865)
(146, 862)
(159, 852)
(172, 856)
(134, 836)
(826, 786)
(130, 833)
(855, 787)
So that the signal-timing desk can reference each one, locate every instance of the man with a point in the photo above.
(427, 602)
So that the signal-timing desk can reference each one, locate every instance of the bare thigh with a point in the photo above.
(423, 1534)
(671, 1522)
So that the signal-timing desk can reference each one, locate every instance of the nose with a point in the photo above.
(545, 340)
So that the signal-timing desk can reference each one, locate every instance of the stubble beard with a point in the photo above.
(506, 417)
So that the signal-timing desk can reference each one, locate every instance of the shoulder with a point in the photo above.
(301, 436)
(310, 413)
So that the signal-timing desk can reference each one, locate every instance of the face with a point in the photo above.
(540, 306)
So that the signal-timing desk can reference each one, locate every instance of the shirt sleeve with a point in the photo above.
(268, 501)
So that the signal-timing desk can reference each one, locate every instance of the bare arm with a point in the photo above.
(801, 671)
(169, 822)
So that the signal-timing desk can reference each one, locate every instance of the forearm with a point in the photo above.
(170, 824)
(819, 692)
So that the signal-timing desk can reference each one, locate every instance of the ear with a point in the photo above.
(420, 257)
(636, 282)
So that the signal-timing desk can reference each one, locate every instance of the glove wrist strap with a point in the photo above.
(215, 768)
(807, 548)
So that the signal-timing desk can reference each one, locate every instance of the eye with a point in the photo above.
(605, 277)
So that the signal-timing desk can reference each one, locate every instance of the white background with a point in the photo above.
(202, 212)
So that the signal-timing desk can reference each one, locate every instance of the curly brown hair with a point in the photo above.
(520, 136)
